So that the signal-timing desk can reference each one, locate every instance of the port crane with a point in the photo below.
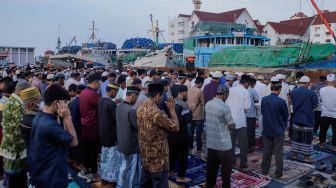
(155, 30)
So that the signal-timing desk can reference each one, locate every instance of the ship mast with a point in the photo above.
(93, 36)
(58, 46)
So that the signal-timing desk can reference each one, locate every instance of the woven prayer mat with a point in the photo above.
(292, 170)
(327, 165)
(243, 180)
(327, 148)
(317, 156)
(253, 161)
(196, 171)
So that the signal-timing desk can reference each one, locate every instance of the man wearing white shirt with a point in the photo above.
(238, 75)
(328, 114)
(239, 102)
(260, 86)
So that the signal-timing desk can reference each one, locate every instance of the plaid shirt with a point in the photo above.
(153, 125)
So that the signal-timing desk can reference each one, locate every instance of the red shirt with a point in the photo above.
(88, 104)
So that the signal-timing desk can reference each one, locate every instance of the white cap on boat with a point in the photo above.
(304, 79)
(331, 77)
(281, 76)
(217, 74)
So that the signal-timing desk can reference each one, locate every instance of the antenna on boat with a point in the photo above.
(58, 46)
(93, 36)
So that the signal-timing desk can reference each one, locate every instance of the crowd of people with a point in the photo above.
(136, 128)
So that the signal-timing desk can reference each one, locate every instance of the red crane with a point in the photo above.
(323, 19)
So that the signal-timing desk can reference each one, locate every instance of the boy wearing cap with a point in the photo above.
(218, 139)
(110, 157)
(328, 114)
(304, 102)
(275, 115)
(178, 141)
(154, 125)
(127, 139)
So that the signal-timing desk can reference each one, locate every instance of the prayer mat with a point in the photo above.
(292, 171)
(79, 181)
(317, 156)
(196, 170)
(243, 180)
(326, 148)
(253, 161)
(327, 165)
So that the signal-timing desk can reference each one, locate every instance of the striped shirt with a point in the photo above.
(218, 117)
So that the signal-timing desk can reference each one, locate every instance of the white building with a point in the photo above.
(180, 27)
(319, 32)
(288, 31)
(20, 56)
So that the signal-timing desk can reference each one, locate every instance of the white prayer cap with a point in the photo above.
(304, 79)
(239, 74)
(251, 74)
(275, 79)
(281, 76)
(105, 74)
(331, 77)
(217, 74)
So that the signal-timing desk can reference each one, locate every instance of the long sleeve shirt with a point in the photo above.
(210, 90)
(196, 103)
(239, 102)
(304, 102)
(275, 115)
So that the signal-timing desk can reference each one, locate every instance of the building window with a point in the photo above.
(181, 32)
(317, 28)
(23, 50)
(172, 25)
(30, 50)
(172, 33)
(317, 35)
(15, 49)
(181, 24)
(181, 40)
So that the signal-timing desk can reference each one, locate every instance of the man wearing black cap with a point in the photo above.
(154, 126)
(218, 139)
(178, 141)
(128, 144)
(108, 135)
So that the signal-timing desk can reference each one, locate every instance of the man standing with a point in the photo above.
(142, 96)
(178, 141)
(239, 102)
(328, 116)
(275, 116)
(229, 80)
(211, 88)
(251, 115)
(218, 140)
(128, 144)
(122, 89)
(153, 126)
(109, 162)
(196, 104)
(88, 102)
(304, 102)
(316, 88)
(49, 141)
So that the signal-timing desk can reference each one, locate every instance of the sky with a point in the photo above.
(35, 23)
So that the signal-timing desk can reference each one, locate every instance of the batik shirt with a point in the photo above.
(153, 125)
(13, 145)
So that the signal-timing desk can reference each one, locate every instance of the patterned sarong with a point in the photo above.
(130, 171)
(302, 140)
(110, 163)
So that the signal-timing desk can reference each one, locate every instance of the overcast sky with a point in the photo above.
(35, 22)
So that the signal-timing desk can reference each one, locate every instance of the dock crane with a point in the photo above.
(323, 19)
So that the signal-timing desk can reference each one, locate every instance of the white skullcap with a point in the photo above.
(331, 77)
(304, 79)
(217, 74)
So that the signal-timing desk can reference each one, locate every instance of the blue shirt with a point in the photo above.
(304, 102)
(275, 115)
(252, 112)
(222, 81)
(103, 86)
(47, 154)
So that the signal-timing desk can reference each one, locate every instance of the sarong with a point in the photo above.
(130, 171)
(302, 140)
(110, 163)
